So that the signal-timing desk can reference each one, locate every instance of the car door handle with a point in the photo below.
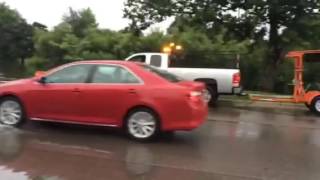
(76, 90)
(132, 91)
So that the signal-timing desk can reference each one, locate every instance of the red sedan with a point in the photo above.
(139, 98)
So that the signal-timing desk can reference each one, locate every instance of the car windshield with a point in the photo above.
(164, 74)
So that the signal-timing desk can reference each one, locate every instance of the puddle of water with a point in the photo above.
(8, 174)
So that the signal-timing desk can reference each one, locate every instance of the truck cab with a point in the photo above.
(159, 60)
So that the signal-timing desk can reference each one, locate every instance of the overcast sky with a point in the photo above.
(109, 13)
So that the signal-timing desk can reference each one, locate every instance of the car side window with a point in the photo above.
(155, 60)
(113, 74)
(70, 74)
(139, 58)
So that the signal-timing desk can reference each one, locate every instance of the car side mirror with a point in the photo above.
(40, 77)
(42, 80)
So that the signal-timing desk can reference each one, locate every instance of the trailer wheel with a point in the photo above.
(315, 105)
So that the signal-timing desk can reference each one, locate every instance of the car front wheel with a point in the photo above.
(11, 111)
(142, 124)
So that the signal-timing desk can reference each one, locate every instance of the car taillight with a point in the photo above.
(236, 80)
(195, 95)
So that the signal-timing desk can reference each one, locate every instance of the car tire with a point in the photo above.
(214, 95)
(315, 105)
(142, 124)
(12, 112)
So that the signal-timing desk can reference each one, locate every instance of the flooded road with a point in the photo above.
(240, 141)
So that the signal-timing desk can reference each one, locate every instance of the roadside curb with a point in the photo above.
(243, 102)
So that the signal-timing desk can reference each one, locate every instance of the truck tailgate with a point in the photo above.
(224, 77)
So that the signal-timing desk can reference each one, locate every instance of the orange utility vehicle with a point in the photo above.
(311, 97)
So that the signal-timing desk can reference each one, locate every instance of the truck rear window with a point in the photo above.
(164, 74)
(214, 61)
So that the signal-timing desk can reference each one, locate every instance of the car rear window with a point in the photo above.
(164, 74)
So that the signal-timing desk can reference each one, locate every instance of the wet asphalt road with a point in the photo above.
(240, 141)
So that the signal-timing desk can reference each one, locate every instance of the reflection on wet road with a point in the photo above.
(239, 142)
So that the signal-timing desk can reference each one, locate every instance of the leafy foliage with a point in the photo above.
(245, 19)
(80, 21)
(16, 36)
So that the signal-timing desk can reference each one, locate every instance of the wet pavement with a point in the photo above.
(240, 141)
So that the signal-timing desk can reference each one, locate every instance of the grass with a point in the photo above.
(246, 97)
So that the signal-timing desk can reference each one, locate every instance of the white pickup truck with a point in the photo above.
(218, 81)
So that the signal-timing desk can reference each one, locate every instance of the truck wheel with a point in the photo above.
(211, 95)
(315, 105)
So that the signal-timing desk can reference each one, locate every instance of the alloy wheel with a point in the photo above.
(142, 125)
(10, 112)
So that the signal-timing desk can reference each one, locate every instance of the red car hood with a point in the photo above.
(197, 86)
(16, 82)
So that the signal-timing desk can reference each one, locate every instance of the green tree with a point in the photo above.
(272, 17)
(76, 38)
(248, 19)
(16, 36)
(37, 25)
(144, 13)
(81, 21)
(153, 42)
(54, 45)
(201, 51)
(99, 44)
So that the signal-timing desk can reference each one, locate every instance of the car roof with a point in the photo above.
(103, 62)
(116, 62)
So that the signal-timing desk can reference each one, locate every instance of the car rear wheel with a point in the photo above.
(11, 112)
(315, 105)
(142, 124)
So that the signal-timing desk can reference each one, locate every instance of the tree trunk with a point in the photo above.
(273, 57)
(268, 78)
(22, 62)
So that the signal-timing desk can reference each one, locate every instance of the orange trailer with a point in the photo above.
(300, 95)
